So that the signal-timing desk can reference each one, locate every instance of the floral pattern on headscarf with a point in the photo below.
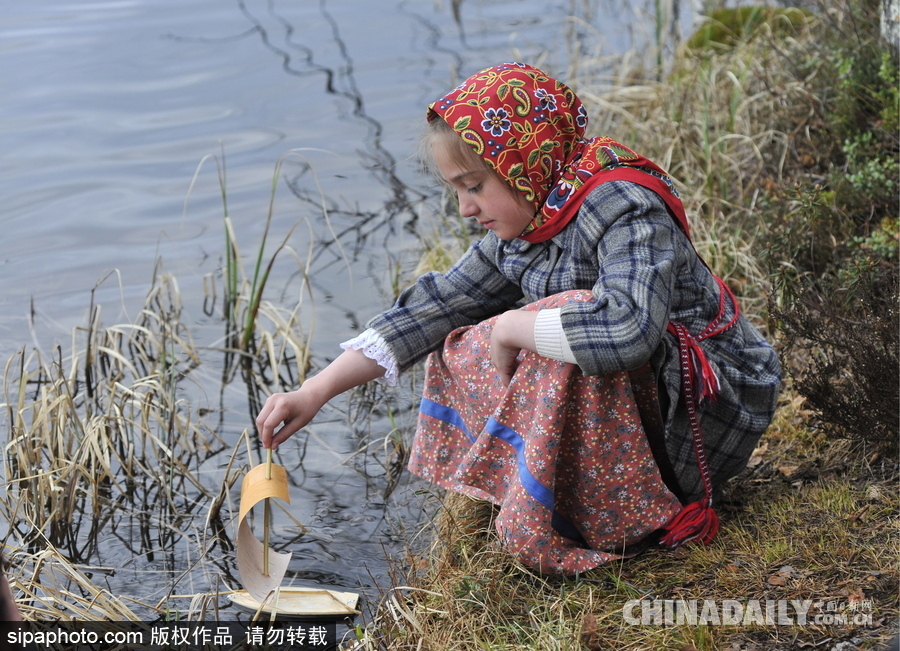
(530, 128)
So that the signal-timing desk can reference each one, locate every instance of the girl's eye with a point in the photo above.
(474, 189)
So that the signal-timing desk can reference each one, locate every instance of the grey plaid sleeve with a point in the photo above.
(636, 242)
(425, 313)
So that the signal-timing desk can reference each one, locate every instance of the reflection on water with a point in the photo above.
(115, 105)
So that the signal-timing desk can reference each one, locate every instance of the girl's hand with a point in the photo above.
(290, 411)
(513, 331)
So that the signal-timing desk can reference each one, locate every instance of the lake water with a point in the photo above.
(110, 106)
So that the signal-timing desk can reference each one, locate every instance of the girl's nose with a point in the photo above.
(467, 206)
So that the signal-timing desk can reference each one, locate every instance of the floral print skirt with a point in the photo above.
(563, 455)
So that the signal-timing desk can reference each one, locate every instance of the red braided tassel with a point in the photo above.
(703, 375)
(696, 521)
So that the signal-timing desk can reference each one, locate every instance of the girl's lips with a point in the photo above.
(488, 224)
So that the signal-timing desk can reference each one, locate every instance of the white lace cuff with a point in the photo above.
(550, 338)
(375, 347)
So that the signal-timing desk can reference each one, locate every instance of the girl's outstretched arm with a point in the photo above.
(292, 411)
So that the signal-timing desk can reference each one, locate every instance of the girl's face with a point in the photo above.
(482, 194)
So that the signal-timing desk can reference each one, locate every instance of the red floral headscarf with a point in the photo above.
(530, 128)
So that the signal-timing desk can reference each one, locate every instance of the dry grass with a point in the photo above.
(107, 446)
(53, 589)
(103, 428)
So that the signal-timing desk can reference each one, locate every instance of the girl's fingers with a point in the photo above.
(275, 412)
(287, 431)
(286, 411)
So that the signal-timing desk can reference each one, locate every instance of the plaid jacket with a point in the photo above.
(643, 272)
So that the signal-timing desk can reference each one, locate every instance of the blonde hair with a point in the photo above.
(440, 134)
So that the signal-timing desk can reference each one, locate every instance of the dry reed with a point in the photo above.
(109, 440)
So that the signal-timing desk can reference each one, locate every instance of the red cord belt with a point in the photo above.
(699, 384)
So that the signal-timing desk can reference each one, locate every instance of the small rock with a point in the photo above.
(845, 646)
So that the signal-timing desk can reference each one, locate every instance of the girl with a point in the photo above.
(629, 384)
